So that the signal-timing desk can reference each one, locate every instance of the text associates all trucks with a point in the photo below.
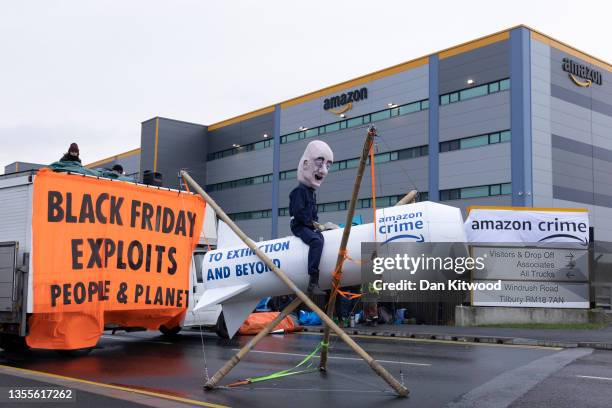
(80, 254)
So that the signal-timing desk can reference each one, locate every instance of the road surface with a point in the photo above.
(437, 373)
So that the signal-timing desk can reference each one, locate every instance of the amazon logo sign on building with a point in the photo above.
(580, 74)
(344, 102)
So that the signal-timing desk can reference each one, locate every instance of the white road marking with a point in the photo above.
(594, 378)
(338, 358)
(133, 339)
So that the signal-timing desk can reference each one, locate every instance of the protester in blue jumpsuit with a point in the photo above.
(313, 167)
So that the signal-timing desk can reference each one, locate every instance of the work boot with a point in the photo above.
(313, 286)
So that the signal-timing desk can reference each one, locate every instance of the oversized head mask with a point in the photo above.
(314, 164)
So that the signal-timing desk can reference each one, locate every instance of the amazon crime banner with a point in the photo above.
(529, 225)
(109, 245)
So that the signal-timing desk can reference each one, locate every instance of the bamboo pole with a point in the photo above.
(408, 198)
(375, 365)
(331, 305)
(231, 363)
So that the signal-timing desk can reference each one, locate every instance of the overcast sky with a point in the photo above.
(92, 71)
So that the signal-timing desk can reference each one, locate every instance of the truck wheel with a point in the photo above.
(75, 353)
(12, 343)
(221, 328)
(169, 332)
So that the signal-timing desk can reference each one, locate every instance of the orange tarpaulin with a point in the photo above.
(107, 252)
(257, 321)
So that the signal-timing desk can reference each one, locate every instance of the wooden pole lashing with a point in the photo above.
(375, 365)
(231, 363)
(331, 305)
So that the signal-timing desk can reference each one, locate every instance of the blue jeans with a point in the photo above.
(314, 240)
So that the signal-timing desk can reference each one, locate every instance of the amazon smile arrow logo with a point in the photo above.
(344, 102)
(581, 74)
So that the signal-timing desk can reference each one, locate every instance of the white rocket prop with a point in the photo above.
(237, 279)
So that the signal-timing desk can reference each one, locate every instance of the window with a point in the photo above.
(475, 141)
(383, 201)
(288, 174)
(474, 192)
(411, 107)
(332, 127)
(312, 132)
(324, 129)
(380, 115)
(355, 122)
(473, 92)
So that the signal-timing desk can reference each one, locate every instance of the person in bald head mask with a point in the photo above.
(312, 170)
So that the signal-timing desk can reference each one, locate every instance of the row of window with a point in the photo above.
(403, 154)
(357, 121)
(475, 91)
(249, 181)
(385, 201)
(475, 141)
(263, 144)
(468, 93)
(476, 192)
(321, 130)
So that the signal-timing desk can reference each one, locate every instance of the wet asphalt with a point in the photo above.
(435, 372)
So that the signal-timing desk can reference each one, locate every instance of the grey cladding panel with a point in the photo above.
(501, 200)
(484, 114)
(249, 198)
(244, 132)
(392, 178)
(147, 145)
(485, 64)
(238, 166)
(475, 167)
(577, 98)
(396, 133)
(257, 229)
(181, 145)
(561, 78)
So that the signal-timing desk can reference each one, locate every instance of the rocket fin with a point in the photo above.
(235, 313)
(218, 295)
(226, 237)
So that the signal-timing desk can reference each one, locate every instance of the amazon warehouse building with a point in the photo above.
(516, 118)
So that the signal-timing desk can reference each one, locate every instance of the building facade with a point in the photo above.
(512, 119)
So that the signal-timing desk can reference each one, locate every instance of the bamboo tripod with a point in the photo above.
(301, 296)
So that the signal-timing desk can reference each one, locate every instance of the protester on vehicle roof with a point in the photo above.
(72, 155)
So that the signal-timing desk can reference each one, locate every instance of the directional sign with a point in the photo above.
(532, 264)
(535, 294)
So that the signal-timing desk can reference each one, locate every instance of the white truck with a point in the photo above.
(16, 194)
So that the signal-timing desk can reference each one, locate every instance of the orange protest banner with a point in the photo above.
(108, 249)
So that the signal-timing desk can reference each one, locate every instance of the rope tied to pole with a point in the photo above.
(287, 372)
(337, 276)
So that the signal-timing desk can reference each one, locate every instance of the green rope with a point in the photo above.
(290, 371)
